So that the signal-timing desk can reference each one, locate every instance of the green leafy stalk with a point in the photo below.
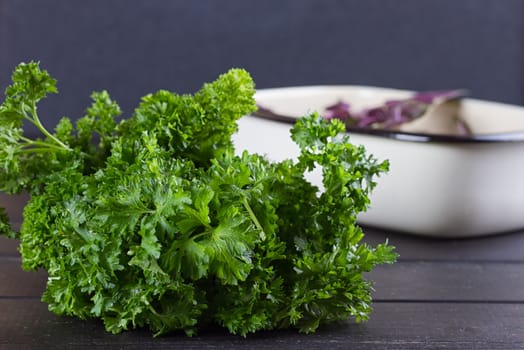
(30, 85)
(157, 223)
(33, 117)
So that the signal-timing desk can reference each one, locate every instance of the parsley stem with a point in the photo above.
(30, 142)
(253, 216)
(40, 127)
(38, 150)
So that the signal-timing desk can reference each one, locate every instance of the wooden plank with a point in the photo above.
(14, 205)
(504, 247)
(28, 324)
(8, 247)
(449, 281)
(17, 283)
(403, 281)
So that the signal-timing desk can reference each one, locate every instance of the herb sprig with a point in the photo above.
(155, 221)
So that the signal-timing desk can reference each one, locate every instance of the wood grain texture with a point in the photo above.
(8, 247)
(14, 282)
(453, 281)
(501, 247)
(28, 324)
(14, 205)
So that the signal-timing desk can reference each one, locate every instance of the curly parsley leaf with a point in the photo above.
(29, 86)
(195, 127)
(155, 222)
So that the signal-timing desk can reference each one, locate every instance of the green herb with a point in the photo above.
(154, 221)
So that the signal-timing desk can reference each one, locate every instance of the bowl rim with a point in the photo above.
(263, 112)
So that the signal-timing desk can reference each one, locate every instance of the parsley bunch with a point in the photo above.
(154, 221)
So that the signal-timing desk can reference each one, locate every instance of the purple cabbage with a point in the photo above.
(339, 110)
(392, 113)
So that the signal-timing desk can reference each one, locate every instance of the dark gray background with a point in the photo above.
(134, 47)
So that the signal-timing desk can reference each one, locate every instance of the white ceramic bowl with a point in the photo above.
(439, 184)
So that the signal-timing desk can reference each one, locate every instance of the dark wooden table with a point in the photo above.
(442, 294)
